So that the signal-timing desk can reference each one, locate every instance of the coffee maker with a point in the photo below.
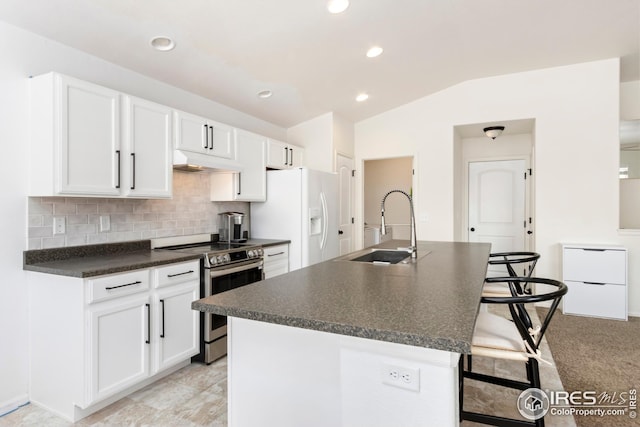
(231, 227)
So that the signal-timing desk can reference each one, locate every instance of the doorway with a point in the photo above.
(380, 177)
(494, 186)
(344, 167)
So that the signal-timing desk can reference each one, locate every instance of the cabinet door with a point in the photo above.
(251, 182)
(178, 325)
(89, 145)
(277, 155)
(148, 149)
(296, 156)
(119, 335)
(219, 140)
(190, 132)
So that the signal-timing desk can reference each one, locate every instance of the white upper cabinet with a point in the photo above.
(81, 145)
(148, 142)
(75, 140)
(200, 135)
(250, 184)
(281, 155)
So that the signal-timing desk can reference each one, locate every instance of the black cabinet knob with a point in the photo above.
(340, 232)
(529, 232)
(473, 229)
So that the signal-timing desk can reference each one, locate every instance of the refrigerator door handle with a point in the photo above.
(325, 219)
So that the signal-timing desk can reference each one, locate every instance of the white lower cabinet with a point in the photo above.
(596, 276)
(177, 325)
(96, 340)
(276, 260)
(119, 354)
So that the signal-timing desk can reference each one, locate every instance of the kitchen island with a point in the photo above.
(353, 343)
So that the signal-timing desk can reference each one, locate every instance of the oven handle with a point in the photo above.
(224, 272)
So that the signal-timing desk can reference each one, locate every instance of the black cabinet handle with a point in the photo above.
(291, 157)
(180, 274)
(118, 154)
(211, 130)
(594, 283)
(286, 156)
(133, 162)
(206, 136)
(137, 282)
(147, 341)
(276, 254)
(162, 303)
(239, 183)
(472, 229)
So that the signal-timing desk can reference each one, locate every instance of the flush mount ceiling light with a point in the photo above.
(337, 6)
(162, 43)
(362, 97)
(493, 131)
(374, 51)
(265, 94)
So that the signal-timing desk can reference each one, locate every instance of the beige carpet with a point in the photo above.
(597, 355)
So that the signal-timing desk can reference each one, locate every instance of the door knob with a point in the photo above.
(473, 229)
(340, 232)
(529, 232)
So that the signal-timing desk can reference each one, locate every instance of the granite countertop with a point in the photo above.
(97, 260)
(432, 302)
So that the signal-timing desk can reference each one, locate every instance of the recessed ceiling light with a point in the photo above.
(337, 6)
(362, 97)
(265, 94)
(374, 51)
(162, 43)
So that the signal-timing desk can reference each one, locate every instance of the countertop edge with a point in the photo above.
(416, 340)
(49, 269)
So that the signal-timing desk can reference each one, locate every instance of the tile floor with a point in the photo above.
(197, 396)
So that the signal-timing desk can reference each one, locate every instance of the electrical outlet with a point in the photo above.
(401, 376)
(59, 225)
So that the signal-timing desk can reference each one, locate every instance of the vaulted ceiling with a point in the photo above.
(314, 62)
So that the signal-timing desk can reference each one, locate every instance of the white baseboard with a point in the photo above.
(13, 404)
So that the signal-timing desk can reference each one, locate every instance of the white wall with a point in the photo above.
(576, 113)
(323, 137)
(24, 54)
(316, 136)
(381, 176)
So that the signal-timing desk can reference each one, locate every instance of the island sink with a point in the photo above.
(401, 256)
(384, 256)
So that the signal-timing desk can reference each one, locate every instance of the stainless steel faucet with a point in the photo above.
(383, 229)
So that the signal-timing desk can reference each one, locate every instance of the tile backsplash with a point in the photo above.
(189, 212)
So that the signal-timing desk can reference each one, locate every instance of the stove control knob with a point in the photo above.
(213, 260)
(251, 253)
(225, 258)
(260, 252)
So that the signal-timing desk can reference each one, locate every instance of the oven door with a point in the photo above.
(225, 279)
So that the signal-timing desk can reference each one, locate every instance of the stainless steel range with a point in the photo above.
(226, 266)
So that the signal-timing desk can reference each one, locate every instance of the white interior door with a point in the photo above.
(497, 205)
(345, 208)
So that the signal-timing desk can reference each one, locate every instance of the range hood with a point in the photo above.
(195, 162)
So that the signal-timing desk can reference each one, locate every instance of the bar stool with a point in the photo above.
(499, 338)
(510, 261)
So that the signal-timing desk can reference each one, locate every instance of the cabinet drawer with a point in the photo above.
(599, 300)
(276, 253)
(118, 285)
(177, 273)
(594, 265)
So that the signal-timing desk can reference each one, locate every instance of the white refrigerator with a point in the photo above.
(301, 206)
